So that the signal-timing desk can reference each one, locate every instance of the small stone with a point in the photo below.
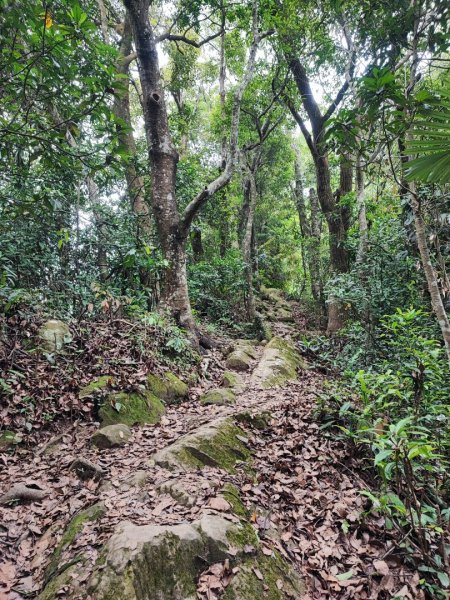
(111, 436)
(8, 439)
(54, 334)
(219, 396)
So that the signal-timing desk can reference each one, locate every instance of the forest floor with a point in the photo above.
(308, 488)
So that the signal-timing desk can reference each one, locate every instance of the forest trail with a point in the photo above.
(301, 497)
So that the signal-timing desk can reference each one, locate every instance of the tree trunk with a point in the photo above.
(310, 231)
(172, 228)
(430, 273)
(121, 108)
(163, 159)
(246, 243)
(362, 217)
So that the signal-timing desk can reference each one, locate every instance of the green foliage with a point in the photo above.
(400, 417)
(217, 288)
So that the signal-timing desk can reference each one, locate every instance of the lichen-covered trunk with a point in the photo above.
(163, 160)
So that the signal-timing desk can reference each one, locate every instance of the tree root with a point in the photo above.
(20, 491)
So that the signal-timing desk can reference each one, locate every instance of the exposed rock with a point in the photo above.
(284, 315)
(159, 562)
(111, 436)
(232, 381)
(55, 573)
(218, 396)
(238, 360)
(85, 469)
(168, 387)
(54, 334)
(277, 580)
(214, 444)
(184, 490)
(131, 408)
(278, 364)
(8, 439)
(274, 295)
(95, 386)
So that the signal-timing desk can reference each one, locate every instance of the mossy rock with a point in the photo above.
(239, 360)
(278, 364)
(232, 380)
(141, 562)
(8, 439)
(131, 408)
(167, 387)
(215, 444)
(279, 580)
(284, 315)
(258, 421)
(95, 386)
(75, 527)
(219, 396)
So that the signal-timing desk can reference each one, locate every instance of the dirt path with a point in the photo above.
(306, 490)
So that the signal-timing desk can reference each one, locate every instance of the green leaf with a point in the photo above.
(382, 456)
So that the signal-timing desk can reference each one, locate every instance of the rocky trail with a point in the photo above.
(234, 494)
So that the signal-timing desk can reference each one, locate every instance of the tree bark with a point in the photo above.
(246, 243)
(173, 228)
(430, 272)
(335, 216)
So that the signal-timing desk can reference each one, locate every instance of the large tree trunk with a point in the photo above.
(173, 229)
(163, 159)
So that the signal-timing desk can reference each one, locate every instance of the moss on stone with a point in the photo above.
(247, 586)
(98, 384)
(258, 421)
(74, 528)
(218, 396)
(131, 408)
(230, 379)
(215, 444)
(239, 361)
(56, 584)
(168, 387)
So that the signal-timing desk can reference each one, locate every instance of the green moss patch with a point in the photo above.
(75, 527)
(131, 408)
(219, 396)
(279, 580)
(167, 387)
(95, 386)
(215, 445)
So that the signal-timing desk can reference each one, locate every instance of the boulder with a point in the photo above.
(218, 396)
(238, 360)
(274, 295)
(279, 363)
(131, 408)
(142, 562)
(167, 387)
(283, 315)
(215, 444)
(111, 436)
(54, 334)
